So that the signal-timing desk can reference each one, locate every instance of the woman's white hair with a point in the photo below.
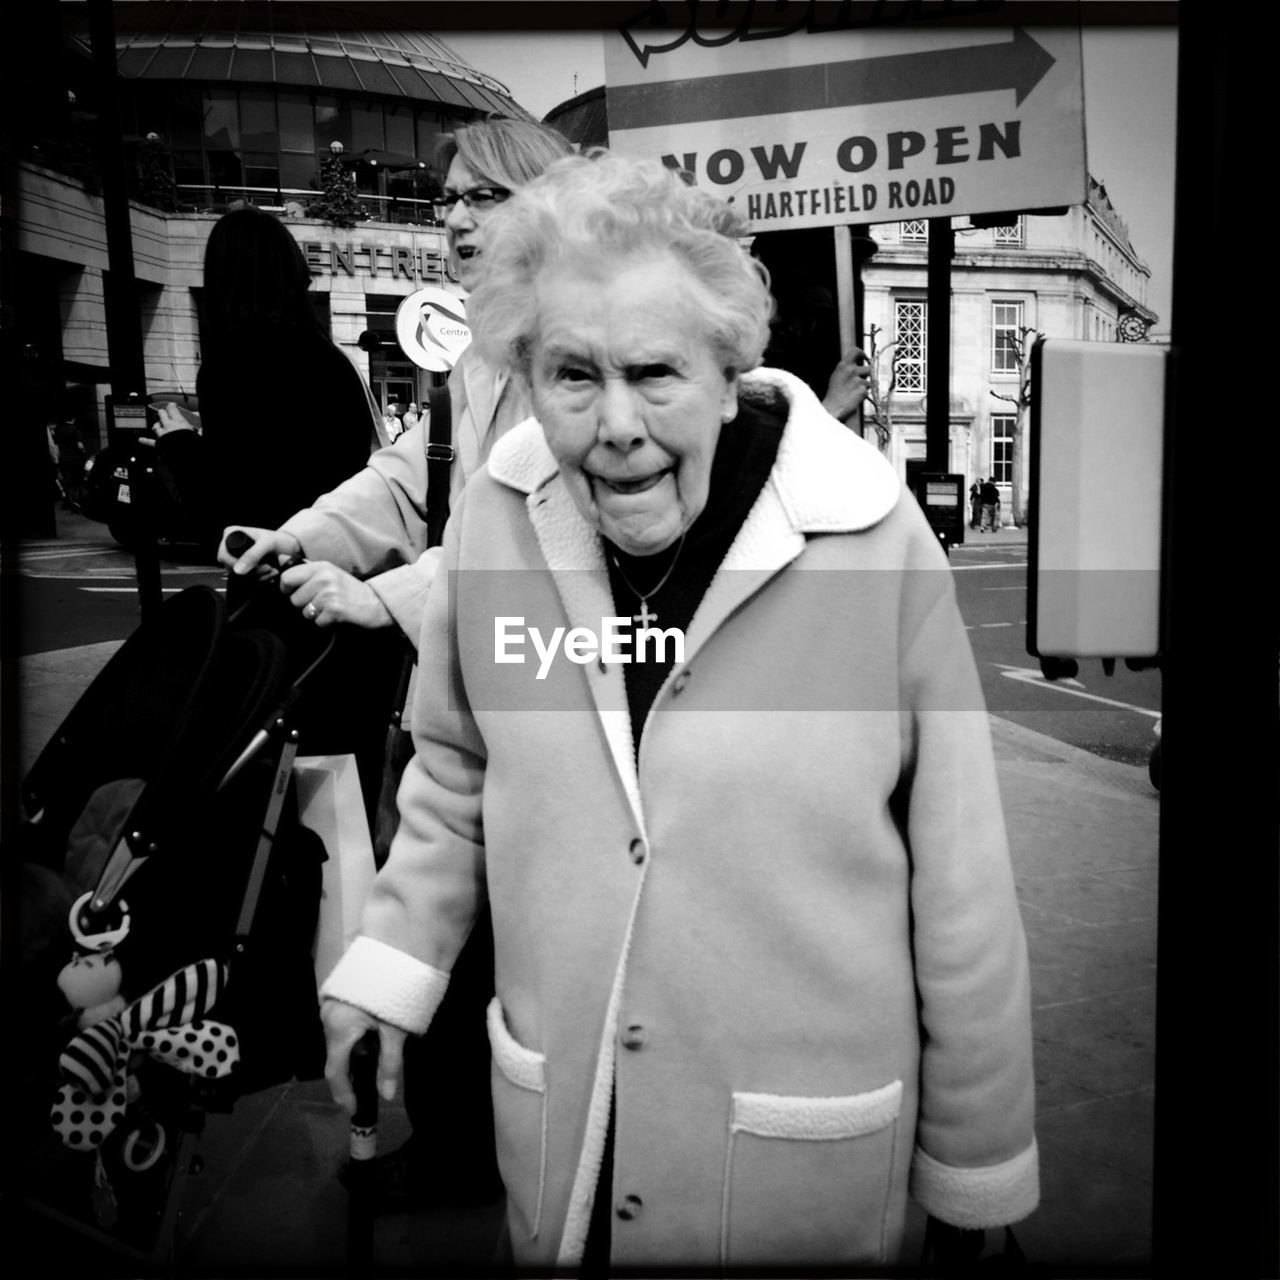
(598, 211)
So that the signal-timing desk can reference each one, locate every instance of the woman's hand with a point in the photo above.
(327, 594)
(171, 418)
(849, 384)
(266, 542)
(344, 1028)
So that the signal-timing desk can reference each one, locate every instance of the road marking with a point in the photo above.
(1010, 564)
(1028, 675)
(67, 553)
(98, 575)
(987, 625)
(131, 590)
(1021, 587)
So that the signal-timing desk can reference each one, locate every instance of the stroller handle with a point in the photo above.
(238, 542)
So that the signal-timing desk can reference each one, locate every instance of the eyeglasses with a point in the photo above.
(476, 198)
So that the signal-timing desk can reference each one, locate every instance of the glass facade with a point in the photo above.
(273, 140)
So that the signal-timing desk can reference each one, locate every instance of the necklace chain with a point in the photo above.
(643, 596)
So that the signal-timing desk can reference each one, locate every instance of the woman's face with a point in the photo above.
(464, 225)
(630, 395)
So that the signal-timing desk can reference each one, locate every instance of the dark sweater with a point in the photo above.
(744, 457)
(285, 419)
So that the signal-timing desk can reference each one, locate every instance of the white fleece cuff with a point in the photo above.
(389, 983)
(993, 1196)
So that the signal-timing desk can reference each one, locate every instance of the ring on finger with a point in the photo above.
(309, 613)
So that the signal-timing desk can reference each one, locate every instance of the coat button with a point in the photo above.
(634, 1036)
(680, 681)
(628, 1207)
(637, 851)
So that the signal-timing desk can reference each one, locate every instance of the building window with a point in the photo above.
(1002, 427)
(912, 318)
(398, 123)
(1012, 233)
(913, 232)
(258, 128)
(1006, 337)
(221, 121)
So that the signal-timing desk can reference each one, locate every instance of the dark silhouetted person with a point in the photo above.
(990, 506)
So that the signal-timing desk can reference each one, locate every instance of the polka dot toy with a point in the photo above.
(169, 1024)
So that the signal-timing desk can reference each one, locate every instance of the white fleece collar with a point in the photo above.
(826, 479)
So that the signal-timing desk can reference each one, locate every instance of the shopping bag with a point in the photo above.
(331, 804)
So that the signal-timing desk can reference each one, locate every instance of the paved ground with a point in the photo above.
(1084, 838)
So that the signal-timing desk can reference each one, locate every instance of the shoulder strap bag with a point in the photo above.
(438, 447)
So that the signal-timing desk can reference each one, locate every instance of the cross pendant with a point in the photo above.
(644, 617)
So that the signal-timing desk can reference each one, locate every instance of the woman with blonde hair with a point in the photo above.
(368, 565)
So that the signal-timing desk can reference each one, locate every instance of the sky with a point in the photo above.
(1130, 91)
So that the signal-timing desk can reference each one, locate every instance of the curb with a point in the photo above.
(1015, 744)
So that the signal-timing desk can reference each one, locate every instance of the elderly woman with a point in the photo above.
(760, 971)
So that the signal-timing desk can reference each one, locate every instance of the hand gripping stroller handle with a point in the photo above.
(238, 542)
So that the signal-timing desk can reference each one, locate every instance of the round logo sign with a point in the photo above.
(431, 325)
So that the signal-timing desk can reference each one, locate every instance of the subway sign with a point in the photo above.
(815, 123)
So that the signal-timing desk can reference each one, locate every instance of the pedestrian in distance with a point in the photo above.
(990, 506)
(742, 1013)
(71, 456)
(975, 505)
(391, 421)
(409, 420)
(258, 331)
(368, 565)
(53, 457)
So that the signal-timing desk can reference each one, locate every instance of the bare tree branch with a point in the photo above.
(1021, 346)
(877, 408)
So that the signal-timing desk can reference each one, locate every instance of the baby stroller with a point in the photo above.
(167, 904)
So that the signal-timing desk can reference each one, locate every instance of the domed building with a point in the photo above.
(257, 96)
(329, 115)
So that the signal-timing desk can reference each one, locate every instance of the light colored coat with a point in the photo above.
(789, 938)
(374, 525)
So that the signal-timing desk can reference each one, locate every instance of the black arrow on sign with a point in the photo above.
(654, 19)
(1019, 65)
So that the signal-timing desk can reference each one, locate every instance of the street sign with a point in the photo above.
(941, 497)
(127, 419)
(811, 127)
(431, 325)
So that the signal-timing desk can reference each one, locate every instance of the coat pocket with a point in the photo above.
(520, 1118)
(808, 1181)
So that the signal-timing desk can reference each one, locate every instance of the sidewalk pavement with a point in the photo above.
(1084, 836)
